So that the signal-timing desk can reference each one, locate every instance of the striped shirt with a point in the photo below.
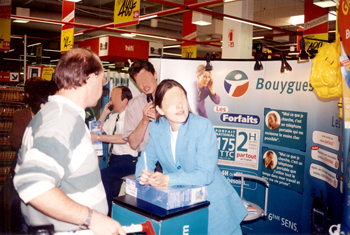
(57, 151)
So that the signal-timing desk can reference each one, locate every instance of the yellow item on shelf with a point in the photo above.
(326, 76)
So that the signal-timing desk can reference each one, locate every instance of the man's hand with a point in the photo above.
(106, 110)
(93, 137)
(149, 112)
(104, 225)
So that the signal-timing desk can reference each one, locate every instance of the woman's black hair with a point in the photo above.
(162, 88)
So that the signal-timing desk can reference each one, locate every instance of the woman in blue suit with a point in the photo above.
(186, 147)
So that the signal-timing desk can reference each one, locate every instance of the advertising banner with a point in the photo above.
(274, 126)
(67, 32)
(5, 25)
(126, 12)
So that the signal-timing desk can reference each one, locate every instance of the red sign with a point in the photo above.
(9, 77)
(344, 24)
(119, 49)
(189, 30)
(316, 18)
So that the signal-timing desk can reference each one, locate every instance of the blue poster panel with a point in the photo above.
(285, 128)
(254, 112)
(284, 169)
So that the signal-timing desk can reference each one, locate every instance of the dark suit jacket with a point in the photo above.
(21, 120)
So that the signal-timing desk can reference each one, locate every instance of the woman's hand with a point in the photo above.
(145, 175)
(158, 179)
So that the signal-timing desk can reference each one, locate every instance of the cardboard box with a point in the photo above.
(168, 198)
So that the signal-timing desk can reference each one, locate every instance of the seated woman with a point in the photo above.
(186, 147)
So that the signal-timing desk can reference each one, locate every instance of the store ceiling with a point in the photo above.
(275, 13)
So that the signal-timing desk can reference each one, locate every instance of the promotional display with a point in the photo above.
(274, 126)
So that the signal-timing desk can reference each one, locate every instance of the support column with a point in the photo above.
(237, 37)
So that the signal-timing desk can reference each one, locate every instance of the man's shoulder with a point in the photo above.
(137, 103)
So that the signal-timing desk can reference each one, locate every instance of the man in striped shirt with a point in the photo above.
(57, 172)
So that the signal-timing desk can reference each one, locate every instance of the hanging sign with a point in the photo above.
(126, 12)
(344, 24)
(67, 39)
(47, 73)
(189, 51)
(315, 27)
(67, 33)
(9, 77)
(5, 25)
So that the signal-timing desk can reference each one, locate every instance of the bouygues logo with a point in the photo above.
(236, 83)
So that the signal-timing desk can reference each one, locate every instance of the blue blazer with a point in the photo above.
(196, 164)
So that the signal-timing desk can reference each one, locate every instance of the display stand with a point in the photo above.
(185, 220)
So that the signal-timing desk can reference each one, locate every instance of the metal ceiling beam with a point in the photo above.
(105, 27)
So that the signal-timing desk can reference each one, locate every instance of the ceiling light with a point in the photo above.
(246, 22)
(201, 19)
(35, 44)
(151, 36)
(325, 3)
(172, 46)
(21, 21)
(73, 0)
(285, 67)
(303, 56)
(20, 11)
(58, 51)
(128, 35)
(77, 34)
(259, 37)
(258, 65)
(295, 20)
(147, 17)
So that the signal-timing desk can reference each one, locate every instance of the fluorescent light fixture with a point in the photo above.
(40, 21)
(73, 0)
(13, 59)
(9, 51)
(105, 62)
(158, 37)
(18, 37)
(20, 11)
(148, 17)
(35, 44)
(21, 21)
(332, 16)
(325, 3)
(52, 50)
(54, 60)
(172, 46)
(173, 54)
(259, 37)
(295, 20)
(293, 53)
(201, 19)
(77, 34)
(246, 22)
(128, 35)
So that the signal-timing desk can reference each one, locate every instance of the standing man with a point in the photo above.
(122, 159)
(57, 173)
(140, 112)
